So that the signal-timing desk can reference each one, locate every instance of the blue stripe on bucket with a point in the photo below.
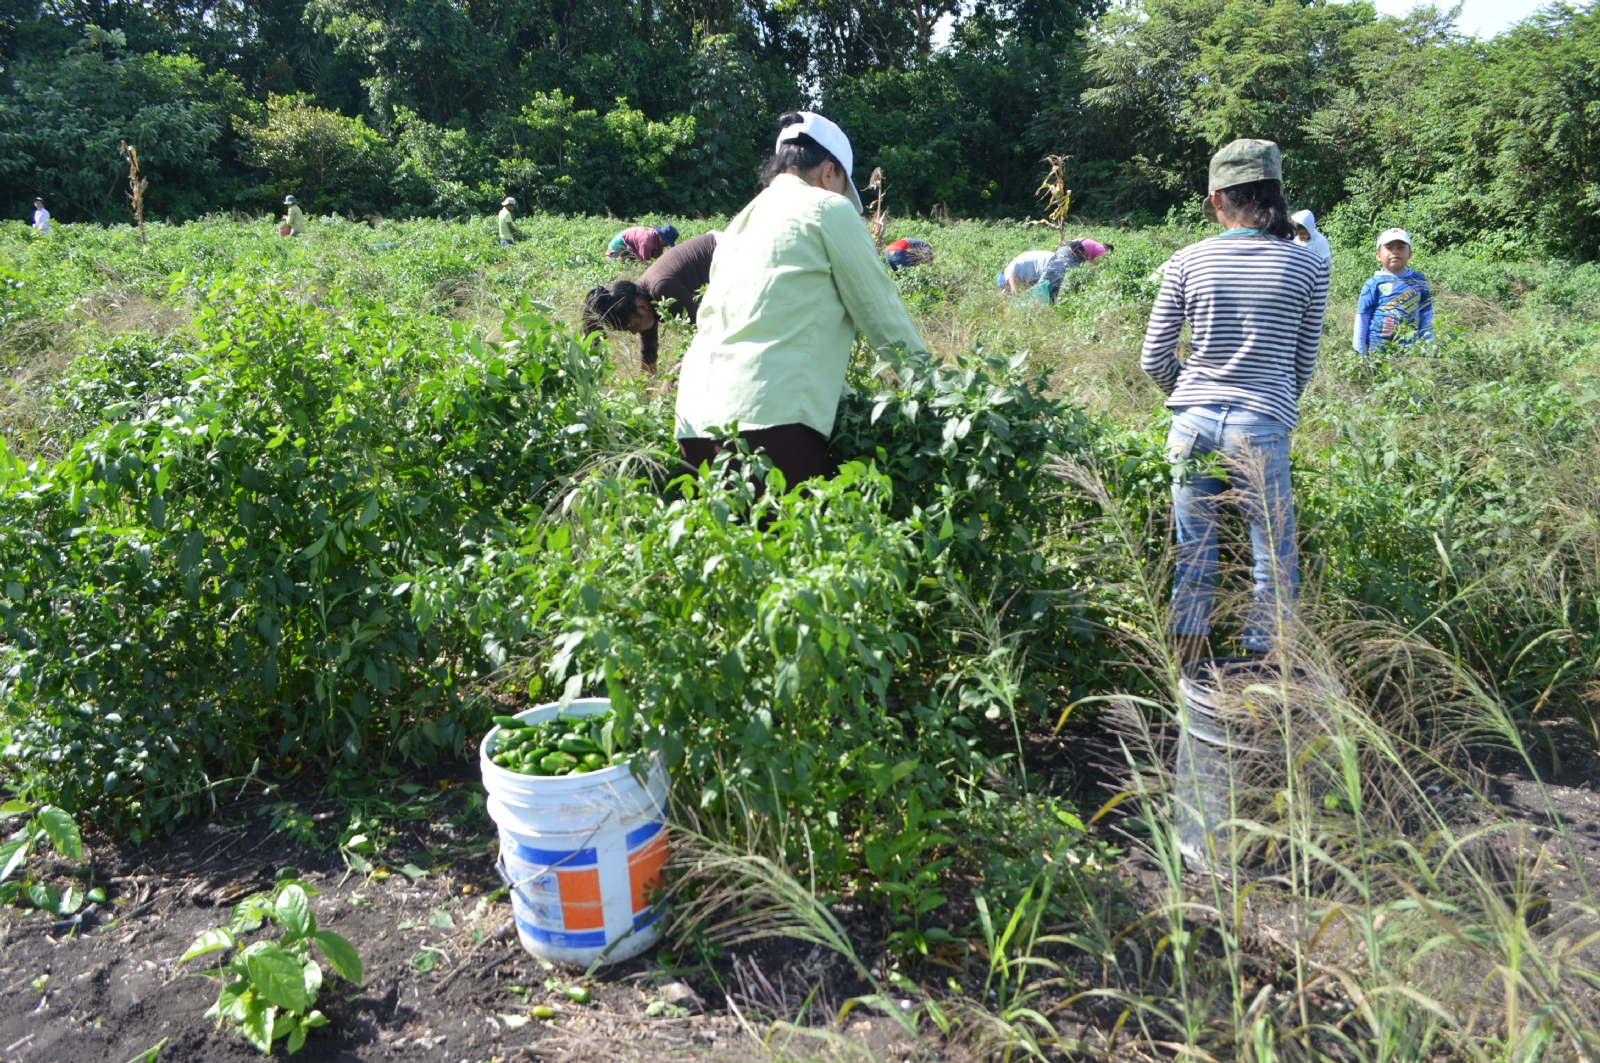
(646, 917)
(555, 858)
(561, 939)
(644, 833)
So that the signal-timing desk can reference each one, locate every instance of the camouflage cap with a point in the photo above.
(1245, 161)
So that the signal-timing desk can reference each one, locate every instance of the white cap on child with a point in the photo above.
(1389, 236)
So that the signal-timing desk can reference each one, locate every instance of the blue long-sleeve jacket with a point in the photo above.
(1389, 301)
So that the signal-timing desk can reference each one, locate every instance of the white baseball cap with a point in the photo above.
(833, 140)
(1389, 236)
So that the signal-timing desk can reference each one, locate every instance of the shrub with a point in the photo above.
(211, 574)
(754, 642)
(327, 161)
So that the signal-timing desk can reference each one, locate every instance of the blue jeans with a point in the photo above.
(1254, 450)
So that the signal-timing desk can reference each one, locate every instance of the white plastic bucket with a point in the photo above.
(581, 853)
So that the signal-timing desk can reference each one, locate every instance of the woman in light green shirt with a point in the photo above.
(794, 279)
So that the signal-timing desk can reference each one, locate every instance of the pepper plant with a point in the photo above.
(270, 987)
(43, 824)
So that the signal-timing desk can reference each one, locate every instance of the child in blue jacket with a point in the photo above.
(1392, 298)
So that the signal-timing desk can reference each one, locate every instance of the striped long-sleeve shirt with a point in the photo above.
(1254, 304)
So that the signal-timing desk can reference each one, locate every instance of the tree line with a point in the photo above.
(630, 107)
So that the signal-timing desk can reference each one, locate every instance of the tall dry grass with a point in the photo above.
(1371, 901)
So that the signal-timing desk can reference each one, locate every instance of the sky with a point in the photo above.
(1482, 18)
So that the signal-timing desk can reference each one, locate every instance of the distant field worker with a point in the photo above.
(1396, 304)
(295, 218)
(1024, 271)
(641, 243)
(1040, 273)
(1254, 300)
(41, 217)
(508, 228)
(903, 254)
(795, 277)
(670, 286)
(1305, 232)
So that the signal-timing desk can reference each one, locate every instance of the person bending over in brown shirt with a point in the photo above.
(671, 285)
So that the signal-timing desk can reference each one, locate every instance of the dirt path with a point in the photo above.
(439, 953)
(108, 991)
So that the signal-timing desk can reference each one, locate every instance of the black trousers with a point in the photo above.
(798, 450)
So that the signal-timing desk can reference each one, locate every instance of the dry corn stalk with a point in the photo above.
(1056, 195)
(136, 187)
(880, 217)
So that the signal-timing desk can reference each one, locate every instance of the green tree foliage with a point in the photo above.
(1504, 153)
(960, 128)
(1490, 143)
(61, 128)
(631, 107)
(319, 156)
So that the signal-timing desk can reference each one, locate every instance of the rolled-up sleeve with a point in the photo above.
(869, 296)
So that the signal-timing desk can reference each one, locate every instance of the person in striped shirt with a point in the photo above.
(1254, 300)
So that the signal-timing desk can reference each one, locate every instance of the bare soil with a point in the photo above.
(114, 989)
(111, 988)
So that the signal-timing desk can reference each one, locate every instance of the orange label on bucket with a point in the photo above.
(580, 899)
(644, 869)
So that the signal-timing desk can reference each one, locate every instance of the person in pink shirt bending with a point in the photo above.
(642, 243)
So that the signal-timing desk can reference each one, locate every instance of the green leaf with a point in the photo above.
(248, 914)
(313, 979)
(256, 1025)
(425, 961)
(297, 1038)
(46, 898)
(62, 831)
(294, 913)
(341, 955)
(13, 855)
(233, 1003)
(277, 977)
(71, 901)
(14, 808)
(441, 919)
(149, 1055)
(412, 872)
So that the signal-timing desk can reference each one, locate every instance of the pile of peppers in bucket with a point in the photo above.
(566, 745)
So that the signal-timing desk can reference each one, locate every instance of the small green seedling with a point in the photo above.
(270, 987)
(47, 824)
(662, 1009)
(150, 1054)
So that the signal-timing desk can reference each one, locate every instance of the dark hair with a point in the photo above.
(610, 308)
(1261, 205)
(802, 154)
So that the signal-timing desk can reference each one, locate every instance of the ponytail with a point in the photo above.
(1261, 204)
(801, 155)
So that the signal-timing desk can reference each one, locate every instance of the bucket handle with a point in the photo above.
(515, 885)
